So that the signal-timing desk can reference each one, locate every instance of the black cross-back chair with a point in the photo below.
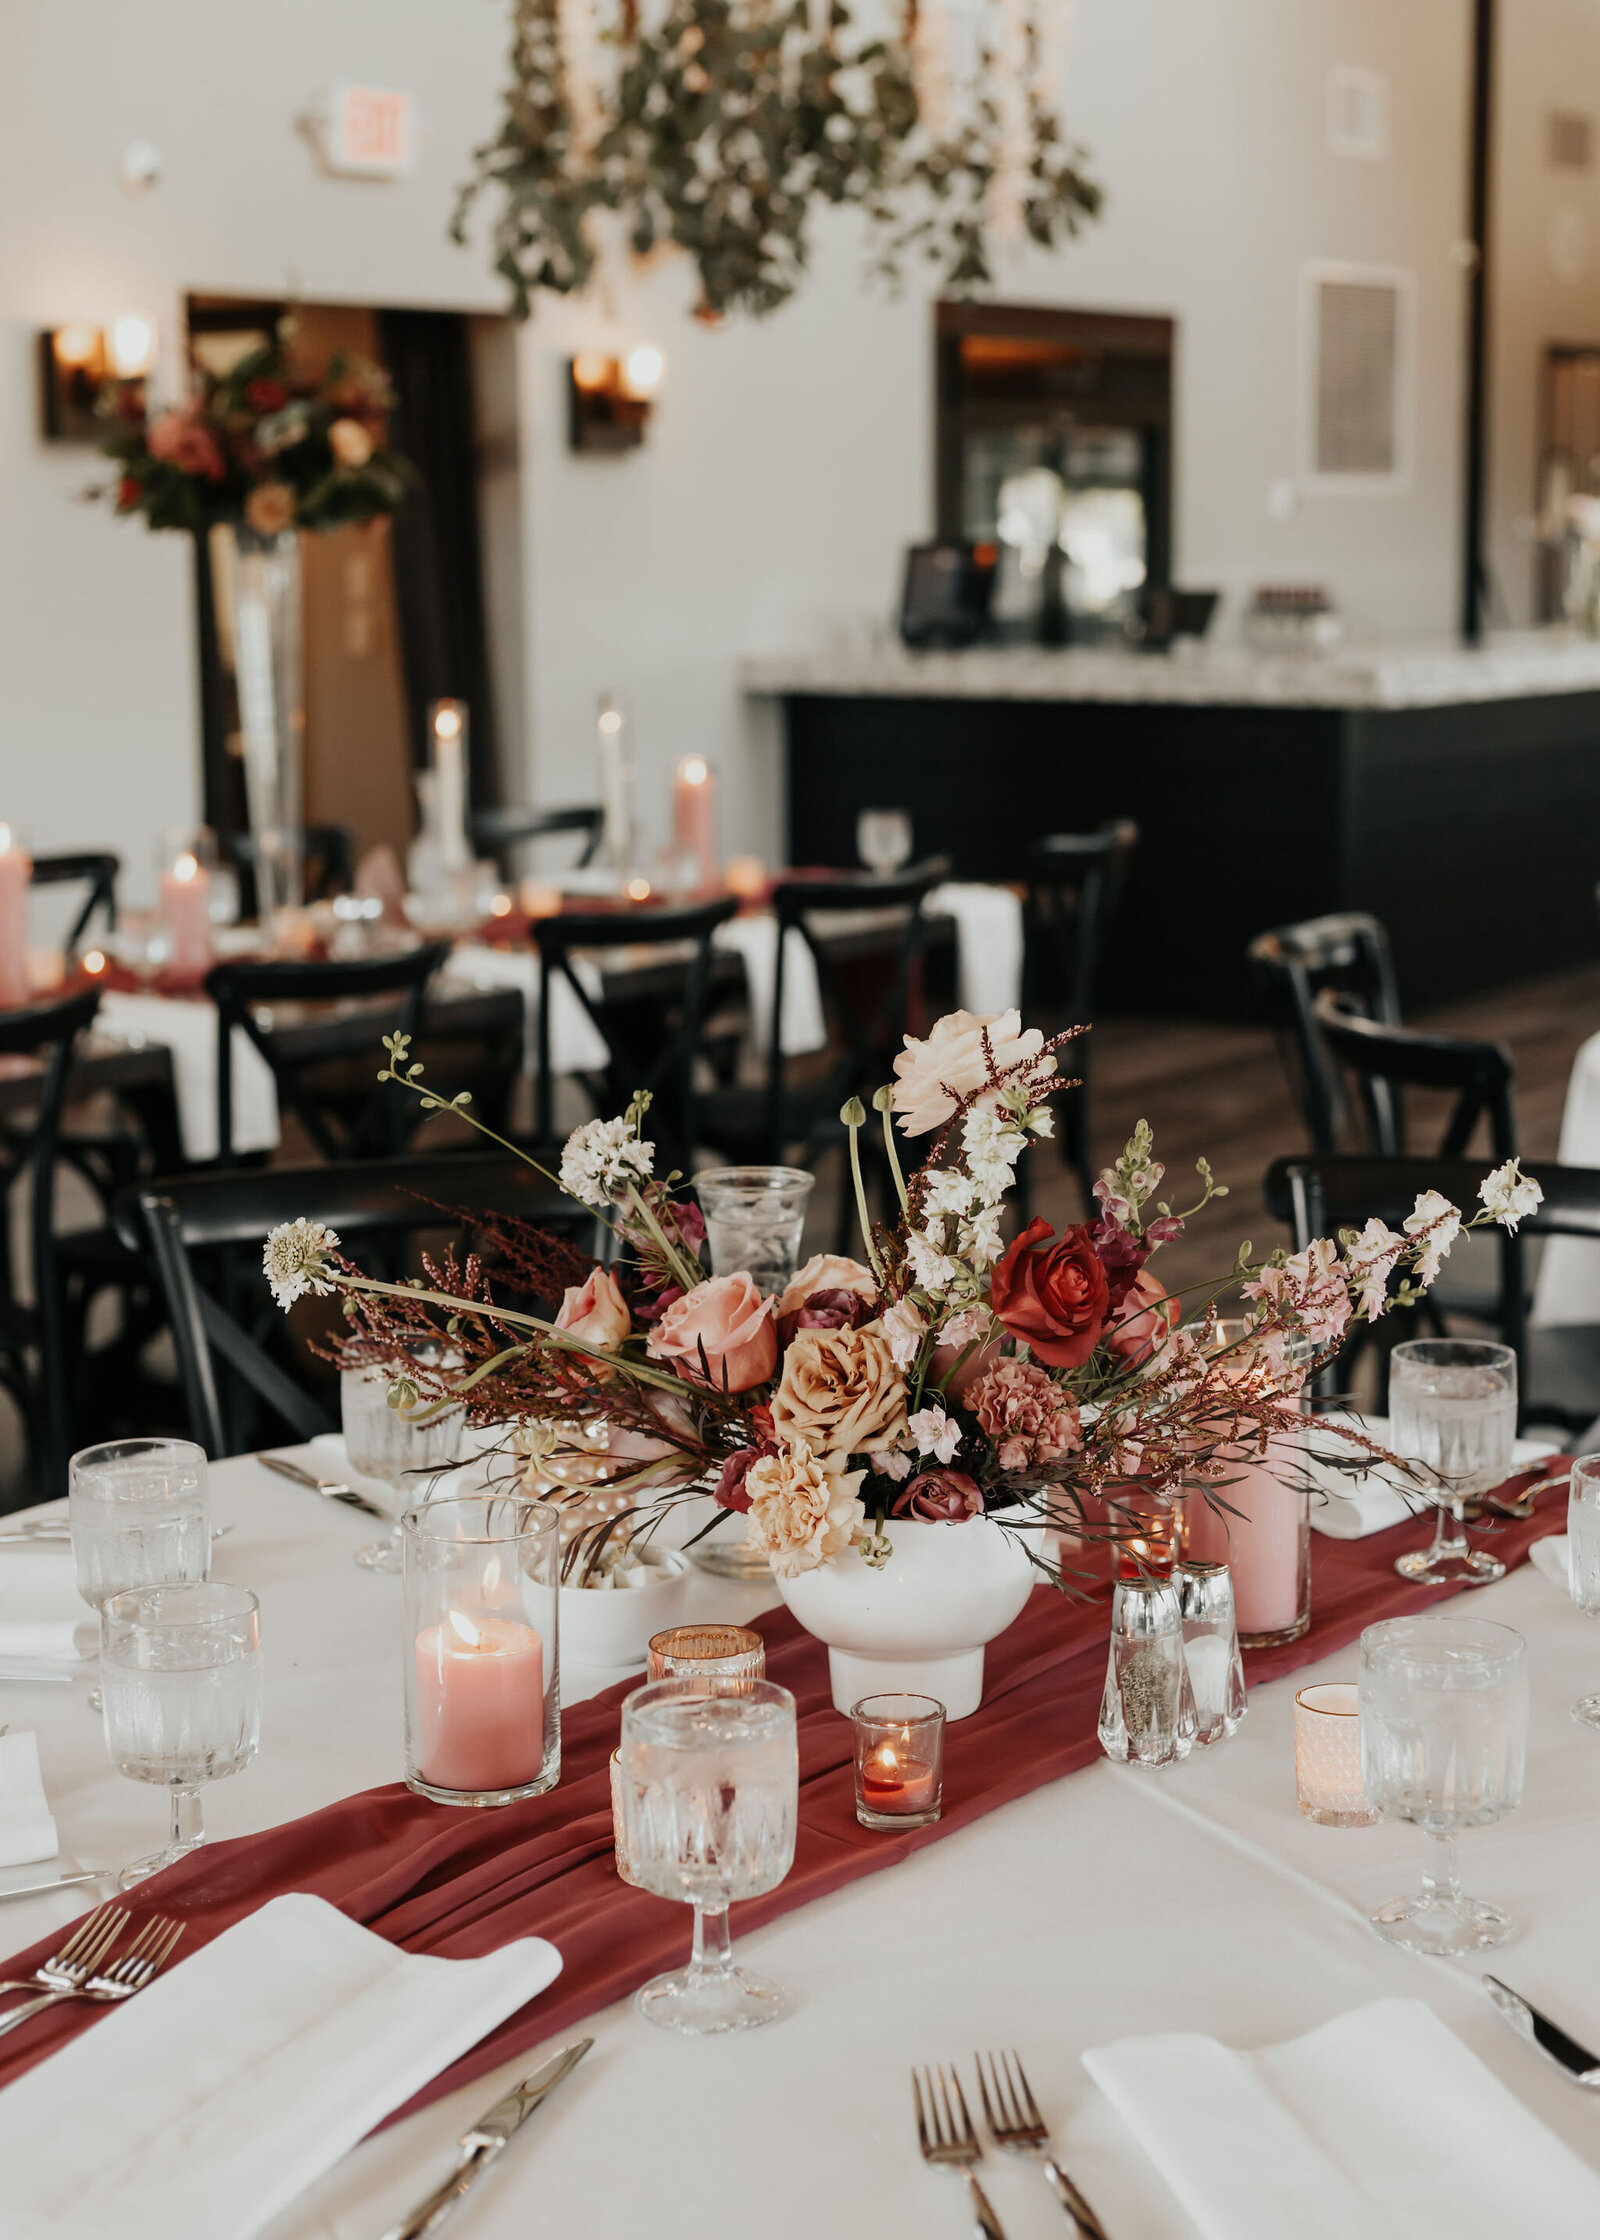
(343, 1124)
(1076, 882)
(500, 831)
(1558, 1369)
(98, 872)
(648, 1046)
(202, 1230)
(1387, 1059)
(1346, 952)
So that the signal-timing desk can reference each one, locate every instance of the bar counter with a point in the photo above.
(1453, 792)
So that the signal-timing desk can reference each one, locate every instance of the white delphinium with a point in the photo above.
(1438, 1223)
(931, 1265)
(601, 1159)
(1509, 1195)
(992, 1143)
(936, 1433)
(904, 1328)
(295, 1258)
(1371, 1258)
(981, 1241)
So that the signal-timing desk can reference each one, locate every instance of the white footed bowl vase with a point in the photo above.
(919, 1625)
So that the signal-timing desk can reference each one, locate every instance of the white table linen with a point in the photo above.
(988, 944)
(1380, 2124)
(576, 1043)
(27, 1831)
(42, 1614)
(1350, 1506)
(753, 938)
(188, 1028)
(198, 2109)
(1112, 1903)
(1568, 1287)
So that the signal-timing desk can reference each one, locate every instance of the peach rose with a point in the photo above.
(269, 509)
(840, 1392)
(1143, 1320)
(596, 1311)
(803, 1510)
(350, 443)
(950, 1064)
(827, 1271)
(722, 1328)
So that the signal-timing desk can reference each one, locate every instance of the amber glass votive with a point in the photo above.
(899, 1760)
(724, 1652)
(1146, 1534)
(1327, 1756)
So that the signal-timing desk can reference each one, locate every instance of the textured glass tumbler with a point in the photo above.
(1147, 1714)
(710, 1802)
(1210, 1648)
(139, 1512)
(1444, 1744)
(714, 1652)
(899, 1751)
(1583, 1558)
(755, 1218)
(1453, 1406)
(480, 1650)
(1327, 1756)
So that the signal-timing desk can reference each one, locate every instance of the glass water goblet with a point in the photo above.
(1443, 1706)
(382, 1444)
(139, 1514)
(1583, 1558)
(883, 840)
(1453, 1406)
(710, 1796)
(181, 1676)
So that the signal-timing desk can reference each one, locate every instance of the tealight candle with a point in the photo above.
(186, 906)
(899, 1754)
(480, 1703)
(1327, 1756)
(16, 876)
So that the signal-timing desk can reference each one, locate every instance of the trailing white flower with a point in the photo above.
(1509, 1195)
(948, 1192)
(981, 1241)
(992, 1143)
(601, 1159)
(1371, 1258)
(1438, 1224)
(931, 1265)
(936, 1433)
(295, 1260)
(904, 1328)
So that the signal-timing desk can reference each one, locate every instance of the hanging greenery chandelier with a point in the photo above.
(716, 126)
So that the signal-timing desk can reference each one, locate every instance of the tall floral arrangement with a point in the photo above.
(944, 1376)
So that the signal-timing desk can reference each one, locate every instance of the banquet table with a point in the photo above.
(1111, 1903)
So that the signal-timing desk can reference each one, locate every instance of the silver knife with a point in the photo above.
(1575, 2061)
(486, 2140)
(331, 1489)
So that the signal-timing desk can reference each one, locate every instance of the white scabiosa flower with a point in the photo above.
(601, 1159)
(295, 1260)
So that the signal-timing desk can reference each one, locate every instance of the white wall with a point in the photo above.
(790, 459)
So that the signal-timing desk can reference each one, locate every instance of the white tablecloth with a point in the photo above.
(1568, 1289)
(188, 1028)
(1108, 1904)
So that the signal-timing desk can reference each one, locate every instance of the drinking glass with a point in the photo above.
(755, 1217)
(139, 1517)
(718, 1652)
(1443, 1708)
(1583, 1557)
(1453, 1405)
(180, 1671)
(381, 1444)
(710, 1797)
(883, 839)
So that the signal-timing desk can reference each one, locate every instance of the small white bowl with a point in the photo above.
(609, 1628)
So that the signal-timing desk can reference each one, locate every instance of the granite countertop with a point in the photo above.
(1510, 667)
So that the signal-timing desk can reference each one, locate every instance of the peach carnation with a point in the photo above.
(1027, 1412)
(803, 1510)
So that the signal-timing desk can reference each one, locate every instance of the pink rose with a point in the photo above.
(940, 1497)
(350, 443)
(720, 1332)
(1146, 1316)
(596, 1311)
(828, 1271)
(186, 443)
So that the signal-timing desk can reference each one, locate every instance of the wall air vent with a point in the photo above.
(1357, 354)
(1569, 140)
(1358, 113)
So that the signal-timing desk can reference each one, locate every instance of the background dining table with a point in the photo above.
(1112, 1903)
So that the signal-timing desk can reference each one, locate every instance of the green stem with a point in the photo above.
(563, 1338)
(893, 1150)
(435, 1103)
(861, 1201)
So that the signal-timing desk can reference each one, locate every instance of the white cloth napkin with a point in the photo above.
(189, 1030)
(753, 937)
(42, 1614)
(1379, 2126)
(1568, 1289)
(576, 1044)
(27, 1831)
(988, 944)
(1369, 1503)
(200, 2108)
(1549, 1557)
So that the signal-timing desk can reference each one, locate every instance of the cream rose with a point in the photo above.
(350, 443)
(950, 1064)
(840, 1392)
(269, 509)
(596, 1311)
(802, 1511)
(723, 1330)
(827, 1271)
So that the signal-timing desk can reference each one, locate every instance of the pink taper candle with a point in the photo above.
(16, 874)
(694, 816)
(186, 906)
(480, 1703)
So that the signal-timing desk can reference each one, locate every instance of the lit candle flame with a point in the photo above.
(466, 1633)
(187, 869)
(638, 890)
(887, 1760)
(694, 770)
(447, 720)
(94, 961)
(5, 839)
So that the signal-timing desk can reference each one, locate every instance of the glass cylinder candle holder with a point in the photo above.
(1210, 1648)
(899, 1746)
(1327, 1756)
(708, 1652)
(480, 1652)
(1147, 1714)
(1260, 1528)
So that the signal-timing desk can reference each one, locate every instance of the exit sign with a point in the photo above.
(369, 132)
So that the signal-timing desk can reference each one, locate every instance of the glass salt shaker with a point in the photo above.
(1147, 1714)
(1210, 1647)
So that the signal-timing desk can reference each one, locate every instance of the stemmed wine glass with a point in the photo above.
(1583, 1558)
(883, 840)
(1453, 1406)
(139, 1516)
(180, 1673)
(382, 1444)
(1443, 1705)
(710, 1778)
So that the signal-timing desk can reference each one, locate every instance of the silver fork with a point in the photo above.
(143, 1959)
(944, 2130)
(1013, 2117)
(78, 1958)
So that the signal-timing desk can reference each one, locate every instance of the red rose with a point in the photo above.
(128, 494)
(1053, 1296)
(729, 1492)
(266, 395)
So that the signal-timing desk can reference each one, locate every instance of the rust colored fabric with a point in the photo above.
(434, 1878)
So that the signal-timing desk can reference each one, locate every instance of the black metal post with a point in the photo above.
(1473, 567)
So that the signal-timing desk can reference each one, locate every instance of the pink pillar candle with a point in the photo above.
(16, 874)
(480, 1704)
(186, 906)
(694, 817)
(1262, 1542)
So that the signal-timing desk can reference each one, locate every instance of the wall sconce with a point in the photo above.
(609, 399)
(77, 366)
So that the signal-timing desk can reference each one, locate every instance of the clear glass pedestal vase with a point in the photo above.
(258, 612)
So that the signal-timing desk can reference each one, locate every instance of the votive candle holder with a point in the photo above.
(899, 1753)
(717, 1652)
(619, 1824)
(1327, 1756)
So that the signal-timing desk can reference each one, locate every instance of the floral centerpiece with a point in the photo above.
(947, 1382)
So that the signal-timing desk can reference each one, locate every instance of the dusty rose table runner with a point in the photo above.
(437, 1879)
